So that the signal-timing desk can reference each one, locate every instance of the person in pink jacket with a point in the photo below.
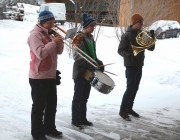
(44, 50)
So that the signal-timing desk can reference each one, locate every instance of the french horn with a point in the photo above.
(144, 40)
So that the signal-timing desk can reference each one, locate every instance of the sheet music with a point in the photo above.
(71, 33)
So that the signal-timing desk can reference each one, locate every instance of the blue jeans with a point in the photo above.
(82, 89)
(133, 75)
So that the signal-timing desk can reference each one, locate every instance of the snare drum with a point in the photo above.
(100, 81)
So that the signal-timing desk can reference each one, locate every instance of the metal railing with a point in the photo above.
(100, 19)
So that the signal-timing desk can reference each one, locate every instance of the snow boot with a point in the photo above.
(88, 123)
(125, 116)
(40, 138)
(54, 134)
(133, 113)
(78, 124)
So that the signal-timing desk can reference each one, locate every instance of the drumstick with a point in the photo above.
(111, 73)
(106, 64)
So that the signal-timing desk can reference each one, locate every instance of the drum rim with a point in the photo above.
(107, 76)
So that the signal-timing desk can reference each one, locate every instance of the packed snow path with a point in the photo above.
(157, 100)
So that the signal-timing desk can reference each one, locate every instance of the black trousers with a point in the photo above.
(82, 89)
(133, 75)
(44, 97)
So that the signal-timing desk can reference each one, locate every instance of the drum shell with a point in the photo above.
(97, 84)
(103, 88)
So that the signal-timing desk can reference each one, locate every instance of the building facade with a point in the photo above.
(151, 10)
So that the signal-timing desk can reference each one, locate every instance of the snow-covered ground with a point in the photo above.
(157, 101)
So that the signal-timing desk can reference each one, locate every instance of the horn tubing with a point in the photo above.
(81, 55)
(78, 49)
(64, 31)
(143, 45)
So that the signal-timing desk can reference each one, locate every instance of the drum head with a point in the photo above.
(104, 78)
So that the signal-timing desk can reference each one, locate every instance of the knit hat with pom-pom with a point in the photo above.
(45, 16)
(87, 20)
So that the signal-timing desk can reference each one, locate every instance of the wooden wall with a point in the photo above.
(151, 10)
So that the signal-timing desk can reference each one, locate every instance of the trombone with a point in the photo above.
(77, 39)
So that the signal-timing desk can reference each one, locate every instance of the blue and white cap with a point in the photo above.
(45, 16)
(87, 20)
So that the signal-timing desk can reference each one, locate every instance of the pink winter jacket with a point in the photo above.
(43, 53)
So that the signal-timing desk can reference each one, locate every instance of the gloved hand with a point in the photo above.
(58, 78)
(152, 34)
(100, 63)
(131, 57)
(88, 66)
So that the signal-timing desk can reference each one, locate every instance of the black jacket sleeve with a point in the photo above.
(151, 48)
(123, 46)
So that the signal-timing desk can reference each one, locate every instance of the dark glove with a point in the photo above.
(132, 58)
(100, 63)
(88, 66)
(58, 82)
(152, 34)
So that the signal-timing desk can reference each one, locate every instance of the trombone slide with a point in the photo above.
(76, 40)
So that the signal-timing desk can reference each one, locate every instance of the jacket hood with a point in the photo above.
(39, 28)
(130, 29)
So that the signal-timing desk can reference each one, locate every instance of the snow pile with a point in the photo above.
(157, 100)
(31, 12)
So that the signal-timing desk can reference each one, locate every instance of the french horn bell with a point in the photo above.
(144, 40)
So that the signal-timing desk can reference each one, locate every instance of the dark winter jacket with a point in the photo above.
(125, 48)
(80, 64)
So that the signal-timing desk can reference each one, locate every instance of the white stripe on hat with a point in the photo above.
(89, 23)
(46, 17)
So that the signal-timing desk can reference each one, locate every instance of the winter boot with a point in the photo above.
(40, 138)
(54, 134)
(125, 116)
(133, 113)
(78, 124)
(88, 123)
